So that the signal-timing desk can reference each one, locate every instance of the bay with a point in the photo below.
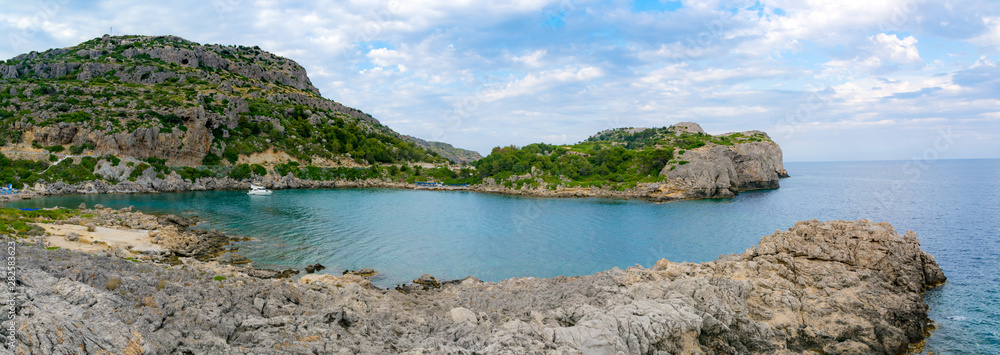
(952, 205)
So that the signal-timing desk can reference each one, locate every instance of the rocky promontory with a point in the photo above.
(838, 287)
(701, 166)
(722, 171)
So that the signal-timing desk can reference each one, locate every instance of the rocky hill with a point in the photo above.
(187, 104)
(675, 162)
(447, 151)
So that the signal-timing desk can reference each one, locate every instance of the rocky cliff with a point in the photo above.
(840, 287)
(169, 98)
(447, 151)
(723, 170)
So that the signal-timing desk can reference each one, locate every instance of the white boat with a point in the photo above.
(258, 191)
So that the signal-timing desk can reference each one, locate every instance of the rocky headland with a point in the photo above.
(837, 287)
(752, 161)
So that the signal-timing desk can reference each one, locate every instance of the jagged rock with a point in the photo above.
(314, 268)
(175, 220)
(363, 272)
(722, 171)
(820, 287)
(335, 280)
(271, 274)
(462, 314)
(427, 280)
(232, 258)
(72, 237)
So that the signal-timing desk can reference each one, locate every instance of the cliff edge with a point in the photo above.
(838, 287)
(724, 170)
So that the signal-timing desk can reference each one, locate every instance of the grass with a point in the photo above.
(16, 222)
(112, 284)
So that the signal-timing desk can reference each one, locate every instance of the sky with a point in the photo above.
(828, 80)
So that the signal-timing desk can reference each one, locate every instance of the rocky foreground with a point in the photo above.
(840, 287)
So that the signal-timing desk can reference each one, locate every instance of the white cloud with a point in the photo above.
(494, 65)
(533, 83)
(532, 59)
(884, 53)
(386, 57)
(892, 48)
(991, 36)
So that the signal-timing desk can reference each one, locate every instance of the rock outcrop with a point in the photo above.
(447, 151)
(840, 287)
(723, 170)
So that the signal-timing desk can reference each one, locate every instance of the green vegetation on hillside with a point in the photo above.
(22, 172)
(121, 84)
(616, 158)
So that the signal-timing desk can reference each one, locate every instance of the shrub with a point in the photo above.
(211, 159)
(89, 163)
(137, 172)
(231, 155)
(192, 174)
(159, 165)
(258, 170)
(113, 284)
(240, 172)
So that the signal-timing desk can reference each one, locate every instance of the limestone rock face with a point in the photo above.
(691, 127)
(722, 171)
(840, 287)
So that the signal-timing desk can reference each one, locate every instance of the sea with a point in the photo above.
(952, 205)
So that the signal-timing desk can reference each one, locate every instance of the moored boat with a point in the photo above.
(258, 191)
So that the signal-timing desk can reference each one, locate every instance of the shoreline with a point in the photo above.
(649, 192)
(739, 302)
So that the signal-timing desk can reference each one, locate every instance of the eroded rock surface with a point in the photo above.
(841, 287)
(722, 171)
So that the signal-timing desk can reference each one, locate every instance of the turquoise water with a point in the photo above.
(953, 205)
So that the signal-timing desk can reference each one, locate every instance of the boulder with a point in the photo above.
(314, 268)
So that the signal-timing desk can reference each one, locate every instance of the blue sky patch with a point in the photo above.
(655, 5)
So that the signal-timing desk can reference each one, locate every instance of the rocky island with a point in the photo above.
(836, 287)
(129, 114)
